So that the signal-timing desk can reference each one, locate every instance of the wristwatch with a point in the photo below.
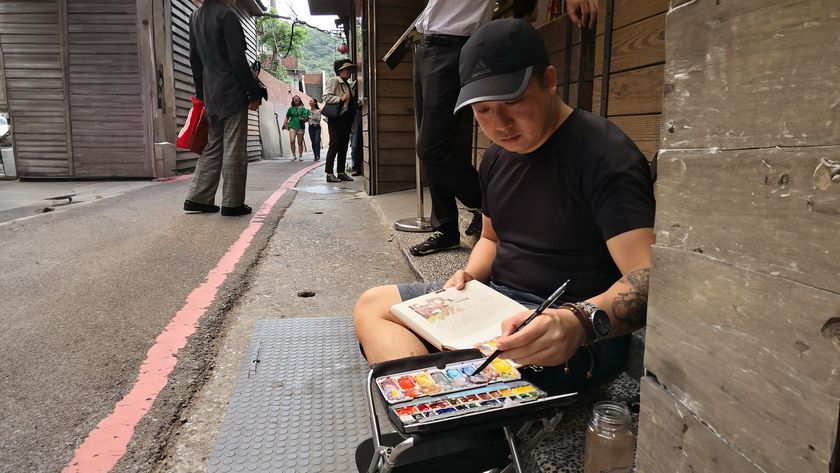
(598, 318)
(595, 322)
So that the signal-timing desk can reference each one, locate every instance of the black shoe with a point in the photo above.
(243, 209)
(191, 206)
(356, 173)
(436, 242)
(331, 178)
(474, 228)
(344, 177)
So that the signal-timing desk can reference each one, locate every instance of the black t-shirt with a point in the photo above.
(554, 208)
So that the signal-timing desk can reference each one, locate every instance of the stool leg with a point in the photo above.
(514, 455)
(391, 454)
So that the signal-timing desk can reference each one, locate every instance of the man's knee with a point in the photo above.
(374, 304)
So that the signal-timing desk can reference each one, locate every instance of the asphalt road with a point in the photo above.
(85, 291)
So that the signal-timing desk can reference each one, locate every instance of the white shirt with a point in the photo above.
(455, 17)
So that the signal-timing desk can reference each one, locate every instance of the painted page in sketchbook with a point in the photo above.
(453, 319)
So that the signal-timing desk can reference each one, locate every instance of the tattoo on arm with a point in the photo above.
(630, 307)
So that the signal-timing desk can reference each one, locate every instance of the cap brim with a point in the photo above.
(499, 87)
(347, 66)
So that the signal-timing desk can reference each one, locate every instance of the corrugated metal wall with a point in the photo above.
(184, 87)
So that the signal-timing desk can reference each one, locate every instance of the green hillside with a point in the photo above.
(319, 52)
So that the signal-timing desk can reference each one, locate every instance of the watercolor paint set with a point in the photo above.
(453, 377)
(466, 403)
(451, 396)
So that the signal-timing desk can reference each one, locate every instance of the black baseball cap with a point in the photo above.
(498, 60)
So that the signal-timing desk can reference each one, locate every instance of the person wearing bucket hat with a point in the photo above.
(340, 91)
(566, 195)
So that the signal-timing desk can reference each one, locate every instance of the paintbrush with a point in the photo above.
(545, 305)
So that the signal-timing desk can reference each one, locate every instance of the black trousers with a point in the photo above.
(339, 129)
(444, 140)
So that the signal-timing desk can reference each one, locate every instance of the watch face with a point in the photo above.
(601, 323)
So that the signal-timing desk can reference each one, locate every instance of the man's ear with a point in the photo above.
(550, 78)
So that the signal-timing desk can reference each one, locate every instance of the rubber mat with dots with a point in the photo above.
(299, 403)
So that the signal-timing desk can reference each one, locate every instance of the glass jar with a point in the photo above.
(609, 441)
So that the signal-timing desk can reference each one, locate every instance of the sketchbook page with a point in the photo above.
(450, 315)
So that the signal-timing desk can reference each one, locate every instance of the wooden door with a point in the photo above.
(31, 46)
(110, 133)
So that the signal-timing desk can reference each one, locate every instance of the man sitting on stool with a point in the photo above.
(567, 195)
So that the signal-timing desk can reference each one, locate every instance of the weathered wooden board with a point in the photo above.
(626, 12)
(401, 157)
(396, 173)
(394, 106)
(397, 123)
(633, 46)
(396, 140)
(394, 88)
(633, 92)
(673, 440)
(770, 211)
(755, 356)
(774, 59)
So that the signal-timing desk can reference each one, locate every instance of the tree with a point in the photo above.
(279, 39)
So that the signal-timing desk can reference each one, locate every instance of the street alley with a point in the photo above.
(87, 291)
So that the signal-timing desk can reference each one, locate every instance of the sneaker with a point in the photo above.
(356, 173)
(317, 158)
(474, 228)
(191, 206)
(331, 178)
(344, 177)
(243, 209)
(436, 242)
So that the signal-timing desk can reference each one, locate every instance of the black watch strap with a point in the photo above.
(583, 318)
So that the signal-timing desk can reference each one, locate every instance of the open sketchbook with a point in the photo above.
(453, 319)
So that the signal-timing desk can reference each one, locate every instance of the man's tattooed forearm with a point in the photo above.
(630, 307)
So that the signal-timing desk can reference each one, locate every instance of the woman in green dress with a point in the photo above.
(296, 116)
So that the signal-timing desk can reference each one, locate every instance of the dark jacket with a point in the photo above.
(220, 69)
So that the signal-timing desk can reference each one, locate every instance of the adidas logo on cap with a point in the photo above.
(480, 69)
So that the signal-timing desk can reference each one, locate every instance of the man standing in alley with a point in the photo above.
(443, 143)
(444, 138)
(226, 84)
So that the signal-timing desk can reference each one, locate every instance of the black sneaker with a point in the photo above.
(344, 177)
(474, 228)
(436, 242)
(243, 209)
(190, 206)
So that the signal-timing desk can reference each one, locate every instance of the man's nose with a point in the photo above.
(503, 121)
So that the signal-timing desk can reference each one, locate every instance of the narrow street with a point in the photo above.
(85, 293)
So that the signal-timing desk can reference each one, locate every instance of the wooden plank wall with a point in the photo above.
(395, 146)
(636, 69)
(109, 138)
(184, 86)
(743, 332)
(35, 82)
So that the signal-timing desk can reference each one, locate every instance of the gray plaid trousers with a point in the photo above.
(224, 156)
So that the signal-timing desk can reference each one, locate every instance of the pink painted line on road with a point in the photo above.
(108, 441)
(182, 177)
